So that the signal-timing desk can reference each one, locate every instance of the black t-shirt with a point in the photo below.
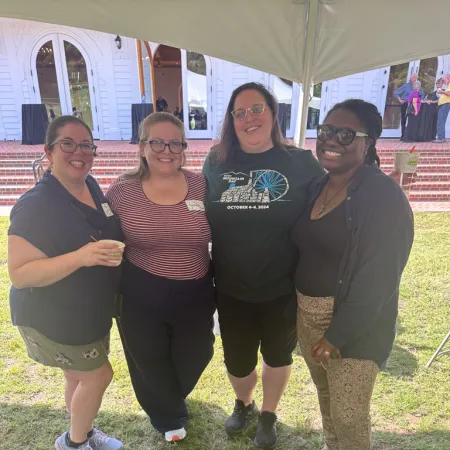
(78, 309)
(252, 204)
(321, 244)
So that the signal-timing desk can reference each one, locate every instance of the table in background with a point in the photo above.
(139, 111)
(34, 124)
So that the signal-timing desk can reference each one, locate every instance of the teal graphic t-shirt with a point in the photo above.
(252, 204)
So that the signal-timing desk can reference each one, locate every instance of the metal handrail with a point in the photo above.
(38, 168)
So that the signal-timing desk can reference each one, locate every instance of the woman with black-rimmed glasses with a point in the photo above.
(354, 241)
(64, 283)
(166, 317)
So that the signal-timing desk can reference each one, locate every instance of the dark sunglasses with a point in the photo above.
(344, 136)
(175, 147)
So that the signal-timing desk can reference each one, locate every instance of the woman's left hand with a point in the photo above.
(322, 351)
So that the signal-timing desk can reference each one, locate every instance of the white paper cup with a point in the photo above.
(119, 244)
(406, 162)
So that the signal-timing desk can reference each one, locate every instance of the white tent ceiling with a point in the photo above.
(348, 36)
(307, 41)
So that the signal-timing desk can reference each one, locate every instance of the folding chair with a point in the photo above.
(439, 351)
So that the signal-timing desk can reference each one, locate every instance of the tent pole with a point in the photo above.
(308, 61)
(306, 89)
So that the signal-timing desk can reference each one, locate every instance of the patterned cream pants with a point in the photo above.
(344, 386)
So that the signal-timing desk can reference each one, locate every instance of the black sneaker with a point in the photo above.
(266, 432)
(241, 418)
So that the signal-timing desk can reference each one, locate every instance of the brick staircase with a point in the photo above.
(16, 175)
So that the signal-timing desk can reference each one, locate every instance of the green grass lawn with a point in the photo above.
(411, 406)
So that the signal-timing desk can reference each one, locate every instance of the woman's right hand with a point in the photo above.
(99, 254)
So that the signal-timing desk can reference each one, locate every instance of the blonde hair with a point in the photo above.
(142, 171)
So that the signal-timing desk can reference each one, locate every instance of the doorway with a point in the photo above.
(182, 86)
(62, 79)
(167, 77)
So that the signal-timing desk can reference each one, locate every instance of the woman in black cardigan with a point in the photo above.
(354, 241)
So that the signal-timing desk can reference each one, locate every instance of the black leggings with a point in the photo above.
(166, 331)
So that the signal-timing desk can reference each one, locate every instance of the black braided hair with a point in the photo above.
(370, 118)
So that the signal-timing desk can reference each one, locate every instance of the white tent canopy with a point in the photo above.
(307, 41)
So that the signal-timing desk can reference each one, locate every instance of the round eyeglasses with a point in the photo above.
(256, 110)
(344, 136)
(157, 146)
(69, 146)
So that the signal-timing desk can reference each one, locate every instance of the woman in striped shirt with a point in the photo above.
(168, 300)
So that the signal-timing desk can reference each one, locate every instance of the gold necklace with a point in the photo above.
(325, 203)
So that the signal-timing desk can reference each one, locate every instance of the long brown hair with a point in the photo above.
(142, 171)
(225, 149)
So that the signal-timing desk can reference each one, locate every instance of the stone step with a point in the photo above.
(429, 196)
(118, 161)
(133, 150)
(434, 176)
(127, 153)
(7, 173)
(425, 160)
(432, 164)
(431, 185)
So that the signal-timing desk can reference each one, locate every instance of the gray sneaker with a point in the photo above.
(61, 444)
(439, 141)
(99, 441)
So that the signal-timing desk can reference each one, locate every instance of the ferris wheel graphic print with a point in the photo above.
(263, 186)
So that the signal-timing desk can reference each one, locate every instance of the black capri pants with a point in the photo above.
(245, 327)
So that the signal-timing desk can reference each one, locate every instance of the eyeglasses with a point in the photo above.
(344, 136)
(256, 110)
(68, 146)
(175, 147)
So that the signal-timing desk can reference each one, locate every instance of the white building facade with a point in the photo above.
(102, 75)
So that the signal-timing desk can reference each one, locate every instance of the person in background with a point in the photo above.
(402, 94)
(51, 112)
(435, 97)
(77, 113)
(257, 187)
(428, 118)
(161, 104)
(65, 277)
(414, 105)
(166, 318)
(443, 109)
(354, 241)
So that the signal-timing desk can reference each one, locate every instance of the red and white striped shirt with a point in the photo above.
(170, 241)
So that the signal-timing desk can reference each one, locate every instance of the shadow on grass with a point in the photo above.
(36, 427)
(402, 363)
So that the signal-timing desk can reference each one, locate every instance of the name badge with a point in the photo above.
(107, 210)
(195, 205)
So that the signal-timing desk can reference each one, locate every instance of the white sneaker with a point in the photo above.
(175, 435)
